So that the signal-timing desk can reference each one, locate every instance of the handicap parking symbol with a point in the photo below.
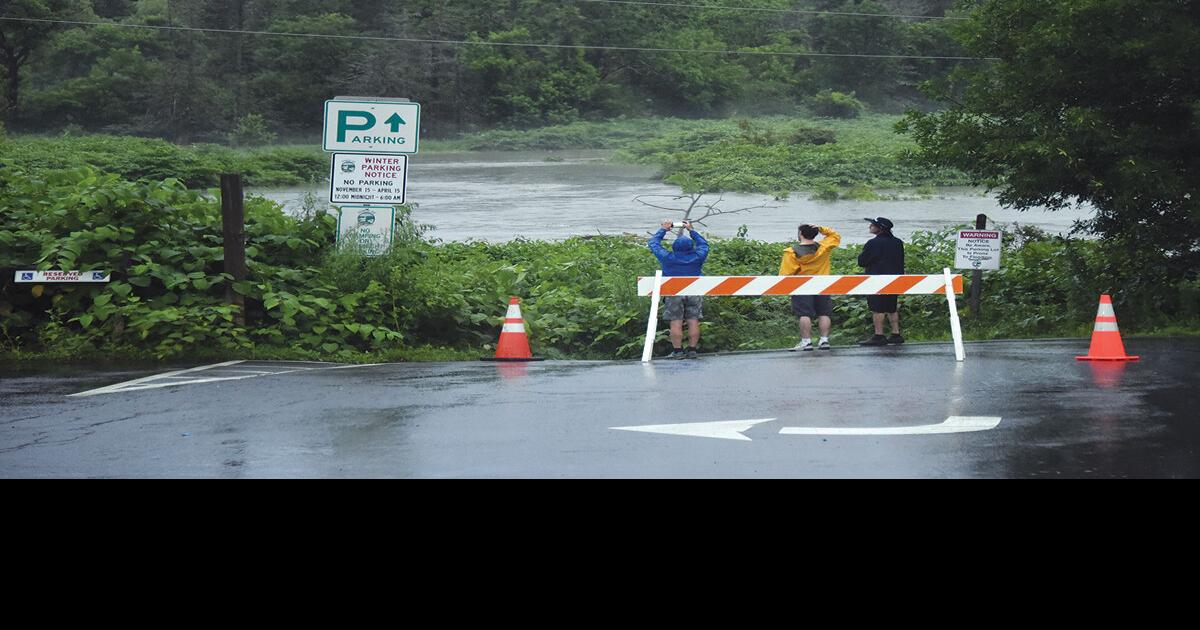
(26, 277)
(97, 275)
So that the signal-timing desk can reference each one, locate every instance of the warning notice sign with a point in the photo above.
(977, 249)
(370, 179)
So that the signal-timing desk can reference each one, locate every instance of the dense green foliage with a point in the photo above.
(197, 166)
(1090, 100)
(19, 40)
(162, 244)
(194, 85)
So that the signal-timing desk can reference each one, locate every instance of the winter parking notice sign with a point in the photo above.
(368, 179)
(977, 249)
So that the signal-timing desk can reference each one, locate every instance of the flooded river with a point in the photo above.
(555, 195)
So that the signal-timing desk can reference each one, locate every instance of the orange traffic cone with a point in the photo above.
(1106, 337)
(514, 343)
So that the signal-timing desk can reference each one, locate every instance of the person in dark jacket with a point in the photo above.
(686, 258)
(883, 255)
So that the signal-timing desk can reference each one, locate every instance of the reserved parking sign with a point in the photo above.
(55, 277)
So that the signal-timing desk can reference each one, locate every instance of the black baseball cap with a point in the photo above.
(882, 223)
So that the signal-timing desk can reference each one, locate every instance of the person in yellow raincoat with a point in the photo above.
(811, 258)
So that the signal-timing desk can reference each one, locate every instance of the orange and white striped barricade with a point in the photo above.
(758, 286)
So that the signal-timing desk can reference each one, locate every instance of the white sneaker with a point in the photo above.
(803, 345)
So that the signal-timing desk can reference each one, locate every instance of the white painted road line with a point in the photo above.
(136, 382)
(733, 429)
(214, 373)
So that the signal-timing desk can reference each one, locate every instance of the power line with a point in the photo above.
(452, 42)
(769, 10)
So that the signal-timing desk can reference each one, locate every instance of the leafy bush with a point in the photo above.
(761, 135)
(162, 244)
(835, 104)
(252, 131)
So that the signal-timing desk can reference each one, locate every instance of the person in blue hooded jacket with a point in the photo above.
(686, 258)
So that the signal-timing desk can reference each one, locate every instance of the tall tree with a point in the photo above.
(1090, 100)
(871, 77)
(296, 75)
(18, 40)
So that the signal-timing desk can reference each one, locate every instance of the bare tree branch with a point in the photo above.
(710, 209)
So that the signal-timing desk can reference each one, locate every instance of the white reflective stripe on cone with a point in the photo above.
(514, 311)
(1106, 327)
(513, 328)
(1106, 310)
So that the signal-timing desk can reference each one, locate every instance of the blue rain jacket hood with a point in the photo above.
(687, 255)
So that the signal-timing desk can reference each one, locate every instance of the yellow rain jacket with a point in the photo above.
(813, 260)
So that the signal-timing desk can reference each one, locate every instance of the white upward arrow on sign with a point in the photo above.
(733, 429)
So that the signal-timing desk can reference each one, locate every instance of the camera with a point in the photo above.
(678, 224)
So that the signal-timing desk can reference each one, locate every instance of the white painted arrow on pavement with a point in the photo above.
(953, 424)
(724, 430)
(732, 429)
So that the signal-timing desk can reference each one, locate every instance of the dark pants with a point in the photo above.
(883, 303)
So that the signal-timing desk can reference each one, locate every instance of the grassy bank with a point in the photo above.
(832, 158)
(440, 301)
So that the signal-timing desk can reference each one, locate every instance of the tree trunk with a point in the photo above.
(13, 94)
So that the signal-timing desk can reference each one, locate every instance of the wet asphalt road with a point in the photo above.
(1059, 418)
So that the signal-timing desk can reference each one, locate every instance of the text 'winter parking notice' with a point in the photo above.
(368, 179)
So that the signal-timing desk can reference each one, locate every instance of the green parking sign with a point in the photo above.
(368, 126)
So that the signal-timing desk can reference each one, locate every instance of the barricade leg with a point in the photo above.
(955, 326)
(652, 325)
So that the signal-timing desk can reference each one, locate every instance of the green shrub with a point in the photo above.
(835, 105)
(162, 245)
(252, 131)
(826, 193)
